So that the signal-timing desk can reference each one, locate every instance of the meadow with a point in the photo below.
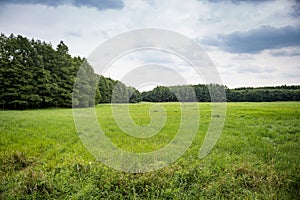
(256, 157)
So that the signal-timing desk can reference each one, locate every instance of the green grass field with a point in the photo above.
(256, 157)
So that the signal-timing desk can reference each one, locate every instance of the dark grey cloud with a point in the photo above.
(296, 9)
(99, 4)
(285, 53)
(256, 40)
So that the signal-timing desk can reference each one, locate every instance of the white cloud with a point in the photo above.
(84, 28)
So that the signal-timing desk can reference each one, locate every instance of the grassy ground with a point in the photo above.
(256, 157)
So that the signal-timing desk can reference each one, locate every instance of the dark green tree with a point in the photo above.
(86, 91)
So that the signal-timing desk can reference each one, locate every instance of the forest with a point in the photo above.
(34, 74)
(245, 94)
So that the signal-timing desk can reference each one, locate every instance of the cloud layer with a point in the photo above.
(100, 5)
(251, 42)
(257, 40)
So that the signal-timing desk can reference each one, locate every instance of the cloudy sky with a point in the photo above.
(251, 43)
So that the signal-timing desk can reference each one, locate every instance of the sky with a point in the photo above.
(250, 42)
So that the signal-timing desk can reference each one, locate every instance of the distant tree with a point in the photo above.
(202, 92)
(105, 86)
(134, 95)
(86, 91)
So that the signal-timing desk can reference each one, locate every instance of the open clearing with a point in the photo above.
(256, 157)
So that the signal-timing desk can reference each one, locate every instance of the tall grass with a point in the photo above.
(256, 157)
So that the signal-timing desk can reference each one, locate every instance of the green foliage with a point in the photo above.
(185, 93)
(159, 94)
(85, 88)
(257, 156)
(266, 94)
(202, 93)
(117, 92)
(34, 75)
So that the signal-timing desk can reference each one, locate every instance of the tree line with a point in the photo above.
(33, 74)
(201, 93)
(264, 94)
